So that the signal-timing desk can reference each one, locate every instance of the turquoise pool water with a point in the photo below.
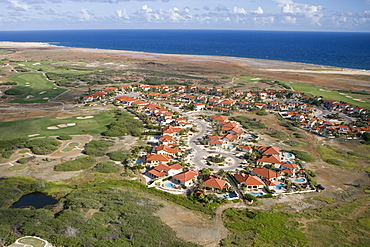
(138, 161)
(289, 155)
(231, 146)
(279, 186)
(170, 186)
(256, 193)
(300, 180)
(229, 196)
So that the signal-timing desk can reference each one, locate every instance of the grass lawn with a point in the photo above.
(248, 79)
(25, 127)
(32, 241)
(332, 95)
(36, 88)
(23, 151)
(3, 51)
(67, 149)
(73, 144)
(17, 167)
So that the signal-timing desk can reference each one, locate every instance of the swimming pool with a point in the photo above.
(231, 146)
(256, 193)
(279, 186)
(138, 161)
(172, 186)
(289, 155)
(229, 196)
(300, 180)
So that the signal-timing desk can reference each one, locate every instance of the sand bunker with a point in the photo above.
(71, 124)
(349, 96)
(52, 128)
(255, 79)
(46, 98)
(33, 135)
(87, 117)
(29, 96)
(62, 125)
(42, 92)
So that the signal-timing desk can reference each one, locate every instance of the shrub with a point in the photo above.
(97, 148)
(13, 91)
(107, 167)
(78, 164)
(302, 155)
(65, 137)
(22, 160)
(43, 145)
(120, 155)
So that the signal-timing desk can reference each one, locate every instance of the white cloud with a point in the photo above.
(282, 2)
(121, 14)
(289, 20)
(259, 11)
(15, 5)
(86, 15)
(237, 10)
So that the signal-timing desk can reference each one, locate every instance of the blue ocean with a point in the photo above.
(346, 50)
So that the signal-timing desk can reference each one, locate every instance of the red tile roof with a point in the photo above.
(186, 175)
(215, 182)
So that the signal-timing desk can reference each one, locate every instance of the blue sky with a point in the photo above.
(304, 15)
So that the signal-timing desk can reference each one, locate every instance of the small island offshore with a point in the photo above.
(123, 148)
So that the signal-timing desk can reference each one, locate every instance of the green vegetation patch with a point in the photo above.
(279, 135)
(249, 123)
(302, 155)
(120, 155)
(295, 143)
(344, 160)
(17, 167)
(124, 124)
(123, 218)
(23, 151)
(35, 88)
(327, 94)
(107, 167)
(251, 228)
(98, 147)
(73, 144)
(25, 127)
(67, 149)
(81, 163)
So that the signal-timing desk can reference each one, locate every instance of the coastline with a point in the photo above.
(265, 64)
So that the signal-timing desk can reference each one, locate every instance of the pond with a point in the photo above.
(36, 200)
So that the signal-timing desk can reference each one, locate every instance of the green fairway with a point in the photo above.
(248, 79)
(327, 94)
(35, 87)
(17, 167)
(25, 127)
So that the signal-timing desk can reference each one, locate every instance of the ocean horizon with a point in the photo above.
(337, 49)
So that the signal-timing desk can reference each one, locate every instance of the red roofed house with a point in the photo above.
(251, 182)
(164, 149)
(162, 170)
(185, 178)
(270, 160)
(269, 150)
(215, 183)
(247, 149)
(267, 174)
(157, 158)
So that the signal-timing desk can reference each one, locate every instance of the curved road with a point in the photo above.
(201, 153)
